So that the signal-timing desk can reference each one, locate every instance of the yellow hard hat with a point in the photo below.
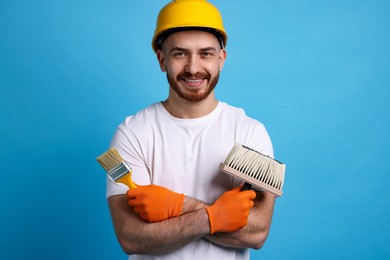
(186, 14)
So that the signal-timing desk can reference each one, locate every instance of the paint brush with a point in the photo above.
(116, 167)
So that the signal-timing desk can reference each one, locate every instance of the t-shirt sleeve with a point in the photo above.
(257, 137)
(262, 141)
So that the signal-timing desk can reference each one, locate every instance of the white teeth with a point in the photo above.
(193, 80)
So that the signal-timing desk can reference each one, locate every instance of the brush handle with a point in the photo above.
(126, 179)
(246, 186)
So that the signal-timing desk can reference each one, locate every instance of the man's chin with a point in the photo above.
(194, 97)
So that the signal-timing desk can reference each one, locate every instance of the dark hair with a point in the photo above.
(165, 34)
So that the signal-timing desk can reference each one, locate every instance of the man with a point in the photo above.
(183, 207)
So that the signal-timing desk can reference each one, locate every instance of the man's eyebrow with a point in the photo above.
(178, 49)
(209, 49)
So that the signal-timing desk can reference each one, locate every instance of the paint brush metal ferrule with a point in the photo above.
(119, 171)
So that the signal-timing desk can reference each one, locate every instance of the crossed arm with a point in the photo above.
(137, 236)
(254, 234)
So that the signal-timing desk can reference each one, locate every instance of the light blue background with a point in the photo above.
(316, 73)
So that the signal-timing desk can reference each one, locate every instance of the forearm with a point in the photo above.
(250, 236)
(139, 237)
(191, 204)
(254, 234)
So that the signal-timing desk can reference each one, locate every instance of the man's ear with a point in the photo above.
(222, 58)
(161, 60)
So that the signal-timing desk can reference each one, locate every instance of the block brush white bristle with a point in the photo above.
(260, 171)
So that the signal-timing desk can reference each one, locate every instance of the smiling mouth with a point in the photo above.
(193, 82)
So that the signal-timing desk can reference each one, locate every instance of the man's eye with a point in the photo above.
(179, 54)
(207, 54)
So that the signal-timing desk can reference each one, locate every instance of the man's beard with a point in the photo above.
(193, 95)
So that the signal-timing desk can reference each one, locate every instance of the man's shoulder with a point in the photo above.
(145, 113)
(236, 112)
(239, 115)
(141, 120)
(227, 108)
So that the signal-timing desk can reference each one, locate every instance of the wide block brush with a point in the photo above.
(116, 167)
(259, 171)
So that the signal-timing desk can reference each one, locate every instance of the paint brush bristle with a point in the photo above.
(110, 159)
(256, 169)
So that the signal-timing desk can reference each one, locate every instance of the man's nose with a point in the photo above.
(193, 65)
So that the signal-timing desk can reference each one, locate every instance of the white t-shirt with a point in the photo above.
(183, 155)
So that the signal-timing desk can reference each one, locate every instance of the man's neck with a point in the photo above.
(184, 109)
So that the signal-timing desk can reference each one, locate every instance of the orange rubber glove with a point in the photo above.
(155, 203)
(230, 212)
